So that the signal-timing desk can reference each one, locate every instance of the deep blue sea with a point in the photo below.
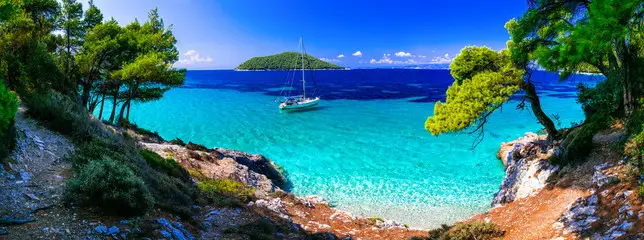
(364, 148)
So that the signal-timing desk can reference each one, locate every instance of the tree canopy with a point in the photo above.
(286, 61)
(484, 80)
(568, 36)
(46, 45)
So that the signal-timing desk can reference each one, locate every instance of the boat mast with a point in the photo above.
(303, 81)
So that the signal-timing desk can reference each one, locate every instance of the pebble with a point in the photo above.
(165, 233)
(113, 230)
(25, 176)
(32, 196)
(101, 229)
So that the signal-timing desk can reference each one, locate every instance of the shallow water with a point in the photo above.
(364, 148)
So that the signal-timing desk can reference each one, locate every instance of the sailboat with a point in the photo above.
(301, 101)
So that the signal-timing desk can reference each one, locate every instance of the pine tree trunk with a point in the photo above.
(535, 104)
(123, 107)
(100, 113)
(114, 102)
(128, 112)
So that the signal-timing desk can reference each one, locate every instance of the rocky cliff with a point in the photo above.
(527, 168)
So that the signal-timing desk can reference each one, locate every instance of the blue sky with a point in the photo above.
(222, 34)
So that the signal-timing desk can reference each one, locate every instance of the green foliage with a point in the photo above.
(177, 141)
(26, 43)
(569, 36)
(168, 165)
(9, 8)
(475, 60)
(196, 147)
(60, 113)
(634, 147)
(640, 190)
(8, 108)
(604, 100)
(475, 230)
(110, 185)
(374, 220)
(484, 81)
(579, 142)
(225, 192)
(171, 188)
(286, 61)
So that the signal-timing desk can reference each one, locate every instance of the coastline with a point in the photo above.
(533, 195)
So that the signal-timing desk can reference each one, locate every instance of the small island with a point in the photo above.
(286, 61)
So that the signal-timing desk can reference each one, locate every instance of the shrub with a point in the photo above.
(225, 192)
(111, 186)
(605, 99)
(173, 190)
(8, 109)
(641, 190)
(60, 113)
(476, 230)
(374, 220)
(578, 143)
(99, 147)
(168, 165)
(124, 123)
(196, 147)
(177, 141)
(7, 143)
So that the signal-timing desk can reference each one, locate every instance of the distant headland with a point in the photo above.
(286, 61)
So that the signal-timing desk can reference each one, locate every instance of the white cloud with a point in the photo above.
(341, 56)
(442, 60)
(357, 54)
(421, 56)
(193, 57)
(403, 54)
(330, 59)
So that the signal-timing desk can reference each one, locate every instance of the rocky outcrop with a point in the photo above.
(527, 168)
(612, 211)
(256, 163)
(216, 165)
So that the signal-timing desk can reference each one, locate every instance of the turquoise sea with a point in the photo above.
(364, 148)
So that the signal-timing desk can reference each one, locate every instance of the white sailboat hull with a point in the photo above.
(300, 104)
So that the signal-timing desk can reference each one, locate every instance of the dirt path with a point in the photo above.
(32, 181)
(533, 217)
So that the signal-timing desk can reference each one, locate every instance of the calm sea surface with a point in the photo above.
(364, 148)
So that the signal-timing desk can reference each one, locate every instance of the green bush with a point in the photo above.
(60, 113)
(111, 186)
(476, 230)
(8, 108)
(196, 147)
(604, 100)
(578, 143)
(641, 190)
(172, 190)
(169, 165)
(177, 141)
(225, 192)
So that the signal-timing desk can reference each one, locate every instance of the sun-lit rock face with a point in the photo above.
(527, 168)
